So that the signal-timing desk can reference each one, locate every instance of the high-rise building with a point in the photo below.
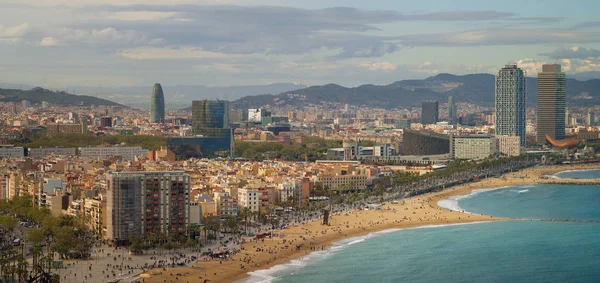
(210, 118)
(452, 117)
(25, 104)
(429, 112)
(157, 105)
(591, 119)
(551, 93)
(144, 202)
(510, 99)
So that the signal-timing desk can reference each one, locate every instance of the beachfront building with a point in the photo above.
(551, 96)
(473, 146)
(510, 100)
(127, 153)
(424, 143)
(343, 182)
(509, 145)
(225, 205)
(248, 197)
(141, 202)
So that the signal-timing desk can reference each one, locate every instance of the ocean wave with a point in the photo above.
(523, 191)
(268, 275)
(452, 202)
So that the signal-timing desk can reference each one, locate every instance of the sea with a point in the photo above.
(555, 239)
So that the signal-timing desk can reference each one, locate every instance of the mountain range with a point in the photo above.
(473, 88)
(176, 97)
(37, 95)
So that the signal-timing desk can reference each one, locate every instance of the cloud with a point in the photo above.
(106, 37)
(17, 31)
(49, 41)
(533, 66)
(573, 53)
(380, 66)
(500, 37)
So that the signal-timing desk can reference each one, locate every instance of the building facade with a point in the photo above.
(54, 129)
(424, 143)
(452, 115)
(248, 197)
(11, 152)
(429, 112)
(146, 202)
(125, 152)
(510, 101)
(157, 104)
(41, 152)
(473, 146)
(210, 118)
(509, 145)
(551, 95)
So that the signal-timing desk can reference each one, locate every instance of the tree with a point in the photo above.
(379, 189)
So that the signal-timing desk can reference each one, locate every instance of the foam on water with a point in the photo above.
(523, 191)
(268, 275)
(452, 202)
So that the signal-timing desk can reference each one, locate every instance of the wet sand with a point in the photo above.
(301, 240)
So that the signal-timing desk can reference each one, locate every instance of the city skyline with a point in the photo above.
(128, 43)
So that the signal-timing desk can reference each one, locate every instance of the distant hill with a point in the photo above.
(37, 95)
(473, 88)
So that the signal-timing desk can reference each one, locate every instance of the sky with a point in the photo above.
(67, 43)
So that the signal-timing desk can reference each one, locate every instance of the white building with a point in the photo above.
(256, 115)
(509, 145)
(42, 152)
(125, 152)
(511, 98)
(384, 150)
(288, 190)
(248, 197)
(473, 147)
(11, 152)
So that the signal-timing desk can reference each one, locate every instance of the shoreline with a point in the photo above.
(414, 212)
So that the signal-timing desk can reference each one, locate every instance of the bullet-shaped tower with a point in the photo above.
(157, 105)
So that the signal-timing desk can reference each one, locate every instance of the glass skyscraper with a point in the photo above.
(452, 117)
(429, 112)
(551, 93)
(157, 105)
(210, 118)
(510, 99)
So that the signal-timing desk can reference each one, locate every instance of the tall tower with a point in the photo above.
(510, 99)
(451, 111)
(210, 118)
(157, 105)
(429, 112)
(551, 92)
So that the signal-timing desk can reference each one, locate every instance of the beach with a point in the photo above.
(298, 241)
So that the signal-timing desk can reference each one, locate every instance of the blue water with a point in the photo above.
(579, 174)
(506, 251)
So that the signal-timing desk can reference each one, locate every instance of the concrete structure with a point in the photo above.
(424, 143)
(157, 104)
(452, 115)
(384, 150)
(509, 145)
(473, 146)
(429, 112)
(142, 202)
(510, 100)
(591, 119)
(25, 104)
(248, 197)
(101, 152)
(11, 152)
(41, 152)
(551, 95)
(403, 124)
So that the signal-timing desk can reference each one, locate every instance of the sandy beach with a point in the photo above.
(298, 241)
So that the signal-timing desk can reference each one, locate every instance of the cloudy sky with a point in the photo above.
(62, 43)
